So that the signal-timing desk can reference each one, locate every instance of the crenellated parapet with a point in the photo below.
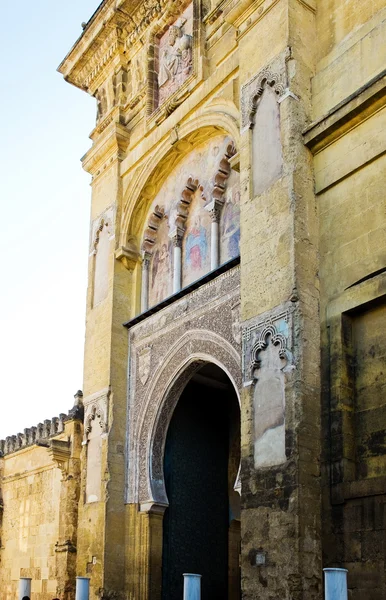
(42, 432)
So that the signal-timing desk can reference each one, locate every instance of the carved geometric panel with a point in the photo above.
(166, 350)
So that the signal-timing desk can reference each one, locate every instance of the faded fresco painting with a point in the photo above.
(196, 242)
(175, 52)
(160, 274)
(230, 221)
(201, 165)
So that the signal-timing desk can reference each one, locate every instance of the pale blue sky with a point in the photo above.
(45, 204)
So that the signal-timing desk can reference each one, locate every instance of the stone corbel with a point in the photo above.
(129, 257)
(60, 453)
(155, 508)
(234, 162)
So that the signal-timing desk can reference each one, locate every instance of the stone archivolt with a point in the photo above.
(153, 398)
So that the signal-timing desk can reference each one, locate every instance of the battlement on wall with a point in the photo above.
(43, 431)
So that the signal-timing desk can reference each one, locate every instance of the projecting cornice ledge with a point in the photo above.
(110, 146)
(346, 115)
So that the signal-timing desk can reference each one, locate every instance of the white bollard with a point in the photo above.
(24, 587)
(82, 588)
(192, 586)
(335, 584)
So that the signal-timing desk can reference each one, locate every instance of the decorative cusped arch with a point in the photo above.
(148, 432)
(149, 176)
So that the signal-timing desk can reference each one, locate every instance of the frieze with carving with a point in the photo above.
(165, 351)
(175, 55)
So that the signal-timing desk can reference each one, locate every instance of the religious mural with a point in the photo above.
(175, 53)
(230, 221)
(160, 281)
(196, 242)
(200, 167)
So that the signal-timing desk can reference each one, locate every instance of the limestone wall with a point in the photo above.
(30, 528)
(39, 496)
(298, 87)
(349, 165)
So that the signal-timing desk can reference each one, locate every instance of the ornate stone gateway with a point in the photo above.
(193, 382)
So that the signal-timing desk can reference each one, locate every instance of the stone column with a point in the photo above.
(214, 209)
(145, 283)
(176, 237)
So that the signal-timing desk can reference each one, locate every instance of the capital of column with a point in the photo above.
(146, 256)
(214, 208)
(176, 236)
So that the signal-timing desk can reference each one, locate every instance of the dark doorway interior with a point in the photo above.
(200, 466)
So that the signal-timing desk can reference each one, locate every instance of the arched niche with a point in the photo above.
(146, 485)
(195, 208)
(148, 176)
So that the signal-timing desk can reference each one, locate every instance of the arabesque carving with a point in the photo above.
(183, 338)
(252, 91)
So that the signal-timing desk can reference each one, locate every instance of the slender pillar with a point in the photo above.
(82, 588)
(335, 584)
(24, 587)
(192, 586)
(176, 237)
(145, 283)
(214, 209)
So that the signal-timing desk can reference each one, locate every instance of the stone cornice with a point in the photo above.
(115, 27)
(354, 109)
(109, 146)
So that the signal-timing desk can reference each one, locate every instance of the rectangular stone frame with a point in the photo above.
(157, 114)
(338, 393)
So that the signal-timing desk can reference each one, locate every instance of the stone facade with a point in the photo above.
(224, 130)
(39, 496)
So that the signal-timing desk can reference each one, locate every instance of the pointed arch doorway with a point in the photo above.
(201, 526)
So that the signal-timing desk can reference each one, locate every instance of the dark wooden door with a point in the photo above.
(195, 531)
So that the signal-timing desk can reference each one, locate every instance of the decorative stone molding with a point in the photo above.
(277, 325)
(128, 256)
(106, 219)
(158, 377)
(222, 174)
(96, 407)
(267, 368)
(60, 452)
(273, 76)
(277, 339)
(150, 234)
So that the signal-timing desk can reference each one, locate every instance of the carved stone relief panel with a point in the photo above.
(267, 367)
(175, 55)
(165, 351)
